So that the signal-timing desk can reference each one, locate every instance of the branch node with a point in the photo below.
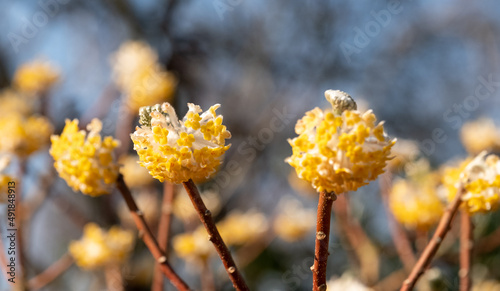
(320, 235)
(162, 259)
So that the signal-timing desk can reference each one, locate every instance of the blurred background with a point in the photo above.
(425, 67)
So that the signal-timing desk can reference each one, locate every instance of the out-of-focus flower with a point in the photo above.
(133, 174)
(347, 282)
(489, 285)
(183, 207)
(293, 222)
(23, 135)
(480, 135)
(481, 180)
(404, 152)
(193, 246)
(148, 203)
(339, 149)
(414, 202)
(35, 77)
(140, 76)
(4, 179)
(98, 248)
(85, 162)
(178, 150)
(238, 228)
(14, 102)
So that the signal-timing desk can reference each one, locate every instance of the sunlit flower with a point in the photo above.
(4, 179)
(183, 207)
(178, 150)
(193, 246)
(480, 135)
(347, 283)
(133, 174)
(293, 222)
(481, 180)
(149, 204)
(98, 248)
(35, 77)
(415, 203)
(85, 162)
(238, 228)
(12, 101)
(23, 135)
(339, 149)
(140, 76)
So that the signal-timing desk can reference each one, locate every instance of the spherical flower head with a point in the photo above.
(98, 248)
(339, 153)
(35, 77)
(238, 228)
(194, 246)
(85, 161)
(481, 181)
(140, 76)
(294, 222)
(178, 150)
(24, 134)
(480, 135)
(415, 202)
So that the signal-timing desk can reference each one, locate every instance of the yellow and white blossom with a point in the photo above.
(85, 161)
(98, 248)
(178, 150)
(138, 74)
(35, 77)
(339, 149)
(481, 181)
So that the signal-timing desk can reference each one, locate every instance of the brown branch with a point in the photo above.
(114, 278)
(431, 249)
(398, 235)
(214, 236)
(466, 246)
(322, 238)
(164, 230)
(366, 252)
(207, 277)
(148, 237)
(51, 273)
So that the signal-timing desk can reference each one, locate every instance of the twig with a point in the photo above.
(164, 230)
(148, 238)
(214, 236)
(466, 246)
(366, 252)
(207, 277)
(322, 238)
(398, 235)
(51, 273)
(114, 279)
(431, 249)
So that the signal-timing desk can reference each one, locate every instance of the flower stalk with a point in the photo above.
(431, 248)
(322, 238)
(148, 238)
(214, 236)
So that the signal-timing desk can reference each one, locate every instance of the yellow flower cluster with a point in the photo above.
(178, 150)
(98, 248)
(12, 101)
(85, 162)
(339, 150)
(22, 134)
(140, 76)
(481, 180)
(193, 246)
(133, 174)
(293, 221)
(238, 228)
(35, 77)
(480, 135)
(183, 207)
(415, 203)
